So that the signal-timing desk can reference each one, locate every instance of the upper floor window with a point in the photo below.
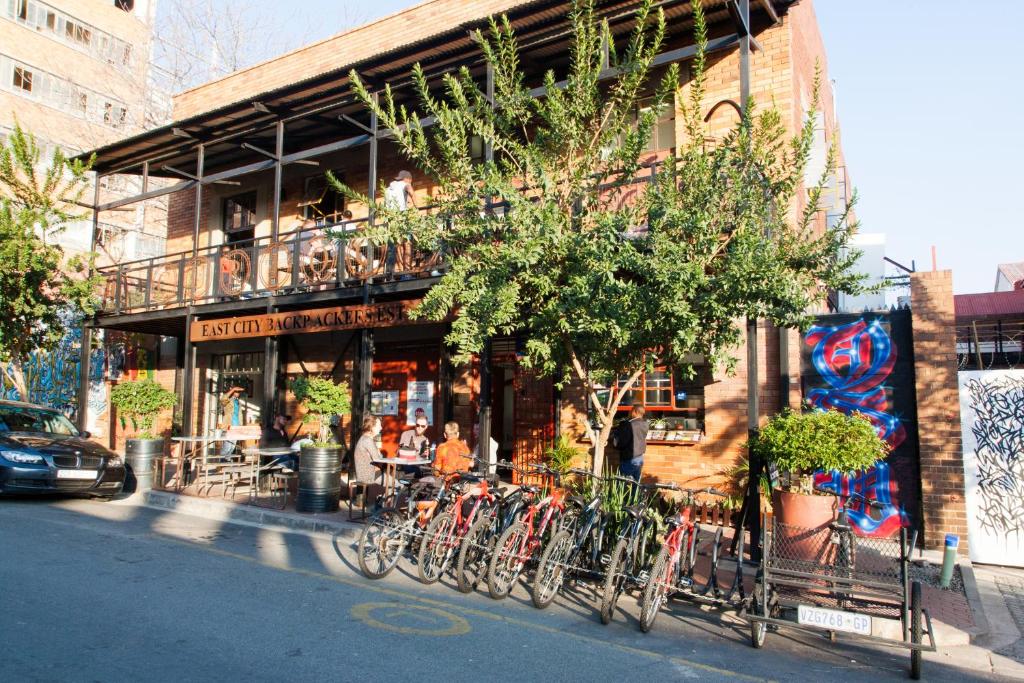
(60, 93)
(126, 5)
(71, 31)
(321, 202)
(240, 217)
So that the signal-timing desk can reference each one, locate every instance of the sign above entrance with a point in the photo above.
(387, 314)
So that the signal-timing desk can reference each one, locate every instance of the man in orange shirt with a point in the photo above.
(453, 454)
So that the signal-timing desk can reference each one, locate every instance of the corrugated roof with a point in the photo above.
(989, 305)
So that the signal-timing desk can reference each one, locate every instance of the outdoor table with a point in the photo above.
(390, 466)
(198, 442)
(258, 453)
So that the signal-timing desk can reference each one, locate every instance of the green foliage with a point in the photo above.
(561, 456)
(37, 282)
(141, 402)
(739, 478)
(803, 443)
(323, 399)
(553, 242)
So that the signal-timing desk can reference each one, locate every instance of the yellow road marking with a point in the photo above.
(364, 612)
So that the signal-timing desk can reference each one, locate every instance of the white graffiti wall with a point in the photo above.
(992, 422)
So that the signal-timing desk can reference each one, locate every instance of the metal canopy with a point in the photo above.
(324, 102)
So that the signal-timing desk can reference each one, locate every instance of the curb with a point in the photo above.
(981, 626)
(235, 513)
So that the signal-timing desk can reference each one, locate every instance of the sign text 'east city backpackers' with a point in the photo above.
(385, 314)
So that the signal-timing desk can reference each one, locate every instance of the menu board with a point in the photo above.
(419, 395)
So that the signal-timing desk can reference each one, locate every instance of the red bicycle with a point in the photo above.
(446, 531)
(673, 568)
(522, 541)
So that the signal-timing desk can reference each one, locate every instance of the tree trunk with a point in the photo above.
(16, 373)
(600, 444)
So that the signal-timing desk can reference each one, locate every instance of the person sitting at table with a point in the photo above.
(366, 451)
(453, 455)
(413, 444)
(275, 435)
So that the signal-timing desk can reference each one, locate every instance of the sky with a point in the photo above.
(926, 95)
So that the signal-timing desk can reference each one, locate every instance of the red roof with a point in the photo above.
(990, 305)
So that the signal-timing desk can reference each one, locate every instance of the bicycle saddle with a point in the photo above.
(636, 511)
(578, 500)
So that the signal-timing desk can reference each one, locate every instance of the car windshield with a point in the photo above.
(23, 419)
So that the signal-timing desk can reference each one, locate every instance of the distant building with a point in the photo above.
(75, 74)
(872, 263)
(1010, 276)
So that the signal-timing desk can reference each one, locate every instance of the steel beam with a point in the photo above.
(275, 222)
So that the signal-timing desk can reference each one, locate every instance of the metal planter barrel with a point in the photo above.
(319, 479)
(140, 455)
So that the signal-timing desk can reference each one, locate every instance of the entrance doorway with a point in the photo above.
(405, 378)
(226, 408)
(522, 414)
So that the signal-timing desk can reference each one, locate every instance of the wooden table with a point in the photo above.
(390, 466)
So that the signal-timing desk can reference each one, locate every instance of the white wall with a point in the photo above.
(872, 263)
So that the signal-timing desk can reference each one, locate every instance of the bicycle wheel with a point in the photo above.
(916, 635)
(614, 581)
(507, 561)
(656, 591)
(758, 629)
(471, 565)
(436, 548)
(551, 569)
(381, 543)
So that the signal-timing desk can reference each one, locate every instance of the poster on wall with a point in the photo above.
(419, 396)
(864, 364)
(384, 402)
(992, 427)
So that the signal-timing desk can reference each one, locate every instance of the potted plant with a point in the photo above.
(800, 444)
(562, 454)
(141, 402)
(320, 462)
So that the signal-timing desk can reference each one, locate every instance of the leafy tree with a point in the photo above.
(556, 241)
(141, 402)
(323, 399)
(37, 281)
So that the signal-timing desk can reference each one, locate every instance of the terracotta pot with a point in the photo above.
(805, 534)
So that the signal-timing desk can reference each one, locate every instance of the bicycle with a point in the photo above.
(479, 542)
(628, 560)
(447, 530)
(389, 531)
(576, 547)
(518, 544)
(674, 567)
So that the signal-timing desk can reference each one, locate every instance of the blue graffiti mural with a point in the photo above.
(53, 376)
(850, 369)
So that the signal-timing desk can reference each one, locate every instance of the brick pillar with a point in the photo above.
(938, 408)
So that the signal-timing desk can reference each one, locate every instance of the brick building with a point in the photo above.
(75, 74)
(244, 163)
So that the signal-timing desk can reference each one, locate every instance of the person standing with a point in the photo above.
(400, 196)
(630, 438)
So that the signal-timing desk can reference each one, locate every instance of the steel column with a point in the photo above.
(371, 191)
(484, 438)
(186, 381)
(200, 161)
(270, 362)
(83, 384)
(275, 224)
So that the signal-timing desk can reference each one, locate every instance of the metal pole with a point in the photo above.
(83, 385)
(186, 383)
(200, 162)
(275, 224)
(484, 438)
(270, 356)
(753, 511)
(371, 192)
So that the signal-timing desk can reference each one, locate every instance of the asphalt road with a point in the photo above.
(93, 591)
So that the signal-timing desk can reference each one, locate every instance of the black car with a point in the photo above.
(41, 451)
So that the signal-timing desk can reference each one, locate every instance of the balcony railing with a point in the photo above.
(299, 261)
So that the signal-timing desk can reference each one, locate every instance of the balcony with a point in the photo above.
(300, 261)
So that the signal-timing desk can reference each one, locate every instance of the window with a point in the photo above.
(321, 202)
(126, 5)
(70, 31)
(240, 217)
(22, 79)
(663, 136)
